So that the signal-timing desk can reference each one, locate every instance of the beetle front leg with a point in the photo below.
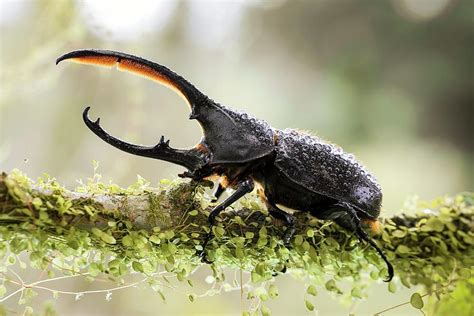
(243, 188)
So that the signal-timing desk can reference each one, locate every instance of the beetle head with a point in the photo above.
(231, 136)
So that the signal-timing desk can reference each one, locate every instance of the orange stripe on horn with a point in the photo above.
(131, 66)
(148, 73)
(104, 61)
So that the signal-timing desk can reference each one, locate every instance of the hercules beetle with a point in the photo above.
(291, 168)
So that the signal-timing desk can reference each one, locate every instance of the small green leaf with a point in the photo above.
(37, 202)
(28, 311)
(273, 291)
(11, 259)
(108, 238)
(191, 297)
(155, 239)
(433, 224)
(399, 233)
(356, 292)
(331, 286)
(305, 245)
(311, 290)
(165, 181)
(169, 234)
(137, 266)
(374, 275)
(219, 231)
(97, 232)
(309, 305)
(239, 253)
(172, 248)
(239, 220)
(391, 287)
(402, 249)
(416, 301)
(262, 241)
(127, 241)
(255, 277)
(265, 310)
(298, 240)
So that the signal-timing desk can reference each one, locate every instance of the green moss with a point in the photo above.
(431, 248)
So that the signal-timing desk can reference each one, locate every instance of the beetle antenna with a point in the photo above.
(363, 235)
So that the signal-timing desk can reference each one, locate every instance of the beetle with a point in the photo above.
(291, 168)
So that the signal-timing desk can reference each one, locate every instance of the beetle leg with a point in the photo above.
(286, 217)
(290, 229)
(218, 192)
(244, 187)
(345, 216)
(191, 159)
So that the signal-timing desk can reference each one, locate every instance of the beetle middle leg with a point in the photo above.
(345, 216)
(242, 188)
(286, 217)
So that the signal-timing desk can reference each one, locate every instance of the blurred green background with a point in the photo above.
(390, 81)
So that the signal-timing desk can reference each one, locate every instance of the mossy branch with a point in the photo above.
(142, 228)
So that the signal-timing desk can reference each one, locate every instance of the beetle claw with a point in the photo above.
(203, 256)
(202, 253)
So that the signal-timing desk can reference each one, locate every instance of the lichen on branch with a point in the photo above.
(101, 228)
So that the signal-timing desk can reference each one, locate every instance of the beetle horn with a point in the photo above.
(138, 66)
(244, 139)
(192, 159)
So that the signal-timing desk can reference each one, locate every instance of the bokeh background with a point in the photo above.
(390, 81)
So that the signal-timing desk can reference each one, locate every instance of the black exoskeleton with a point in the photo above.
(291, 168)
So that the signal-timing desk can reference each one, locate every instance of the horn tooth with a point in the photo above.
(97, 121)
(162, 139)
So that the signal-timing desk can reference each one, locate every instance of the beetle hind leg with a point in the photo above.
(345, 216)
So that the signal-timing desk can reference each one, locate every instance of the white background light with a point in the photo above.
(125, 20)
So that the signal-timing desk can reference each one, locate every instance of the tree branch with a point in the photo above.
(139, 228)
